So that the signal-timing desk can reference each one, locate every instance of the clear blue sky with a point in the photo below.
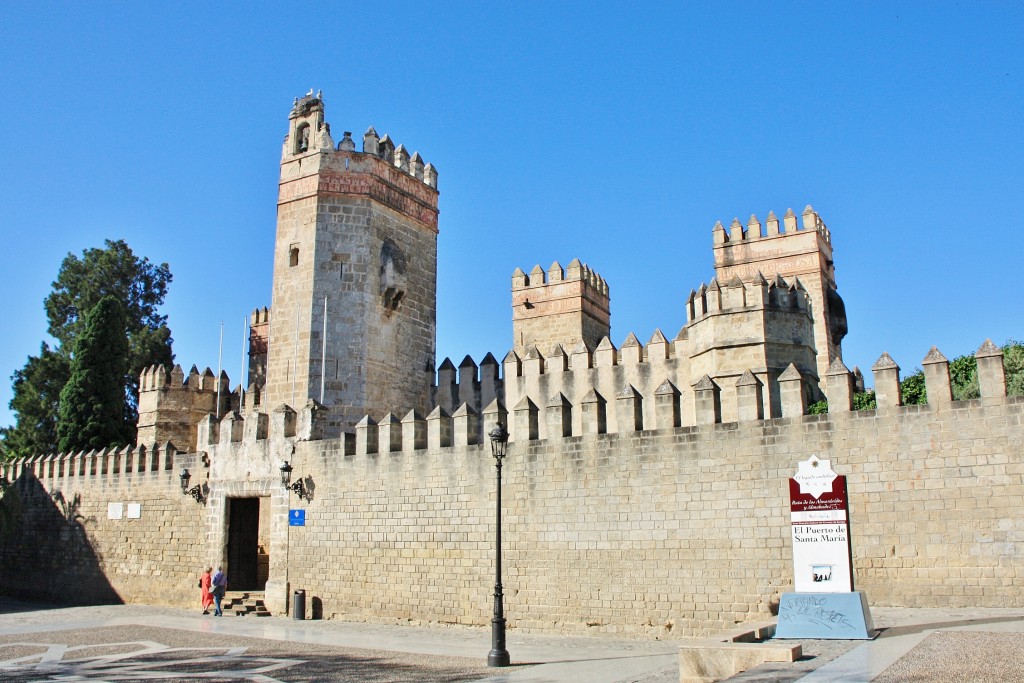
(613, 133)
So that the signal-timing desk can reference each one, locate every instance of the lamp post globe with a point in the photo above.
(498, 656)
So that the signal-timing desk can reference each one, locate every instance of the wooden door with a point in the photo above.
(243, 543)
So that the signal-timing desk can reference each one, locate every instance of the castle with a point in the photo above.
(646, 484)
(353, 314)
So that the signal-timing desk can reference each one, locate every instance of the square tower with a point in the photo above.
(559, 307)
(792, 251)
(355, 255)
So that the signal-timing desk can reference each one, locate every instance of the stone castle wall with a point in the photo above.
(645, 490)
(65, 545)
(757, 327)
(662, 532)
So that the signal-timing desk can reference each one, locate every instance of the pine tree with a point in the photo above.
(92, 403)
(36, 399)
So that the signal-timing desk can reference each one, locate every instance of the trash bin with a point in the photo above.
(299, 605)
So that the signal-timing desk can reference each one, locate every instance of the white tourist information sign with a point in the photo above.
(821, 532)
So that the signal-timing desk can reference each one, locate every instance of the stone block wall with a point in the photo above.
(757, 327)
(63, 544)
(673, 532)
(171, 404)
(664, 532)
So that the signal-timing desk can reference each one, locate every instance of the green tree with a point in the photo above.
(862, 400)
(82, 281)
(913, 389)
(963, 378)
(92, 402)
(865, 400)
(36, 399)
(1013, 363)
(137, 283)
(818, 407)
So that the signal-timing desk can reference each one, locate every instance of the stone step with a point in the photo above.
(245, 603)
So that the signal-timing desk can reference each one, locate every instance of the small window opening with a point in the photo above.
(293, 256)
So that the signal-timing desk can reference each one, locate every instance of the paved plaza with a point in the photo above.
(143, 643)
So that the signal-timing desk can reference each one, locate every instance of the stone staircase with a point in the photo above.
(244, 603)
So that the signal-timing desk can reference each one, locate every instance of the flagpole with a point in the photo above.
(220, 357)
(241, 368)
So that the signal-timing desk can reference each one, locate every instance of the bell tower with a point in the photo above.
(356, 256)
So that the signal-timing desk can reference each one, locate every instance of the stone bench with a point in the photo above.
(707, 660)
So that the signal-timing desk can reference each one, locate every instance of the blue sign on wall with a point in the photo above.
(296, 518)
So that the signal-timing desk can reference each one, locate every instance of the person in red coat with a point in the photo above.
(204, 589)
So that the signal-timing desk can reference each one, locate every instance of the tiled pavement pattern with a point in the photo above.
(134, 653)
(129, 643)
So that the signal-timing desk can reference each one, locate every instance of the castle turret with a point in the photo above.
(790, 250)
(259, 339)
(356, 251)
(171, 405)
(559, 307)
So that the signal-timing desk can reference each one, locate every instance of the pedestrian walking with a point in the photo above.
(220, 586)
(205, 582)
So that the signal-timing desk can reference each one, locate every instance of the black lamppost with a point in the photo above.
(498, 656)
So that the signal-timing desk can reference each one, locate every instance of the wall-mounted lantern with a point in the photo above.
(298, 488)
(196, 491)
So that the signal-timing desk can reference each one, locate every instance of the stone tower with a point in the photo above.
(356, 242)
(559, 307)
(789, 250)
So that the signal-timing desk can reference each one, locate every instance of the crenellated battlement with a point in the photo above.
(757, 293)
(810, 220)
(795, 247)
(108, 468)
(384, 148)
(259, 317)
(560, 306)
(576, 271)
(470, 384)
(171, 404)
(309, 133)
(634, 393)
